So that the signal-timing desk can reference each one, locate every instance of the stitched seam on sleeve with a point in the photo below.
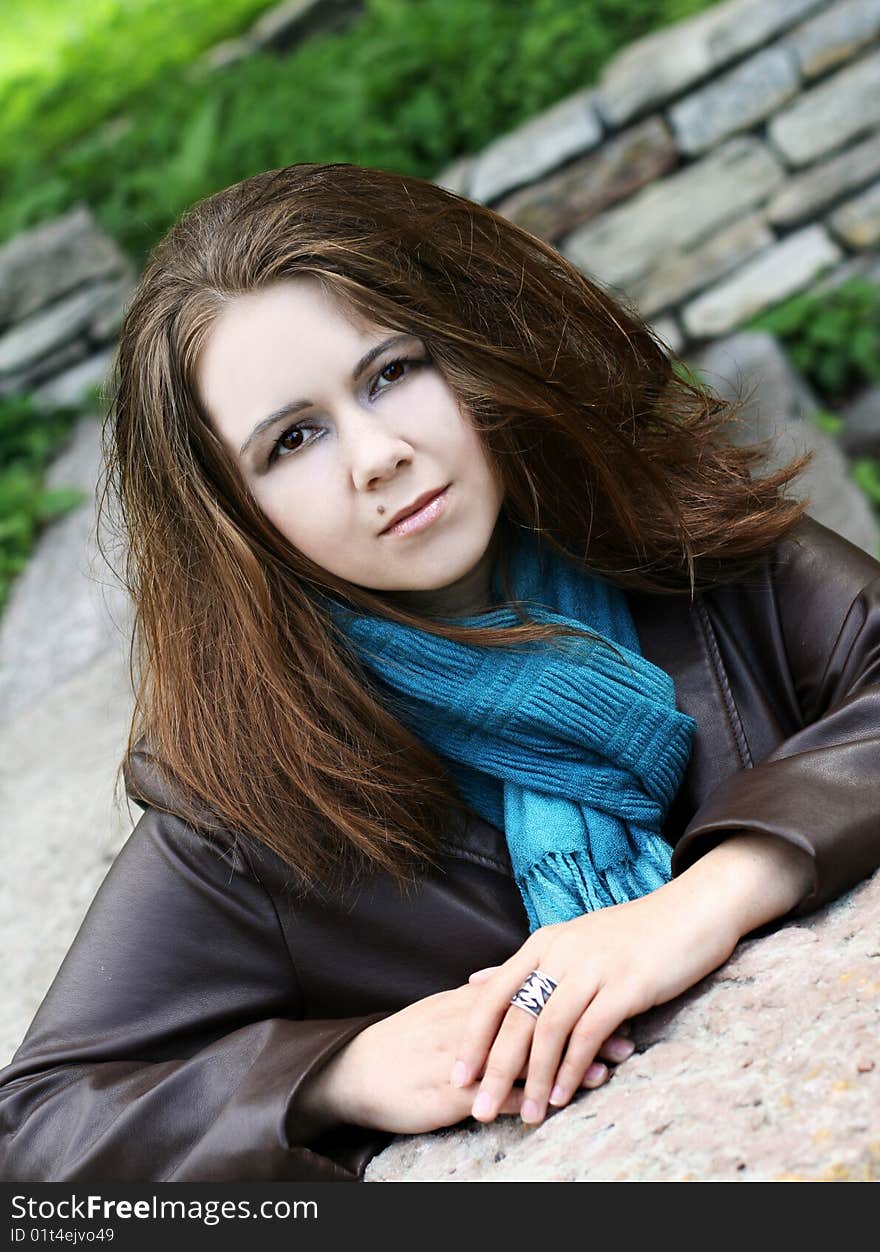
(269, 896)
(829, 703)
(809, 715)
(730, 708)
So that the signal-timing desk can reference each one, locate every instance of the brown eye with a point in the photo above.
(403, 365)
(392, 365)
(292, 440)
(294, 433)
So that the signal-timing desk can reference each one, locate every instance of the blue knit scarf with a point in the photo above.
(574, 750)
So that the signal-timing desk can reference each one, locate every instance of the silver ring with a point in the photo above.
(534, 993)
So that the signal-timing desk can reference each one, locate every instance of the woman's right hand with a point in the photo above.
(394, 1075)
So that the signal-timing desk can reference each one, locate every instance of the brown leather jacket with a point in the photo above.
(199, 994)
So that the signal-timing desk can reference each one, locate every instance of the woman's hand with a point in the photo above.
(609, 966)
(614, 963)
(394, 1075)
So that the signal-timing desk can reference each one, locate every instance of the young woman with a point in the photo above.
(487, 695)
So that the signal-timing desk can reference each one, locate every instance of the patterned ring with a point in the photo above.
(534, 993)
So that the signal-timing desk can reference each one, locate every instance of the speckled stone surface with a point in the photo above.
(768, 1070)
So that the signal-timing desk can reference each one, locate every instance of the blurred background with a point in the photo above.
(717, 165)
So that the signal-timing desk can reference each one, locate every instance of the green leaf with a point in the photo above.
(59, 500)
(827, 421)
(865, 471)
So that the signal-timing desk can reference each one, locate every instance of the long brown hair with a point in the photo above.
(617, 457)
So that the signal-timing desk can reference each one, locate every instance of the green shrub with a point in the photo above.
(28, 440)
(866, 472)
(412, 85)
(65, 68)
(833, 338)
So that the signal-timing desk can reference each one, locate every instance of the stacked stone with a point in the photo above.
(282, 28)
(63, 290)
(720, 165)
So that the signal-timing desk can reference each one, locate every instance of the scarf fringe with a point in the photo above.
(564, 885)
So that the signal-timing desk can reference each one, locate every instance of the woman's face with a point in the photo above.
(336, 430)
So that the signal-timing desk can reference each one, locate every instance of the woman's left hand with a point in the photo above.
(609, 965)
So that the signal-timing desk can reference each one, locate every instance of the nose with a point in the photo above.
(374, 452)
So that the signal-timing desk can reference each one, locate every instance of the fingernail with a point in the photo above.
(595, 1073)
(529, 1111)
(557, 1095)
(482, 1105)
(620, 1049)
(459, 1074)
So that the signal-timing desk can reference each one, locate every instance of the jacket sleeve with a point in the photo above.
(820, 788)
(171, 1045)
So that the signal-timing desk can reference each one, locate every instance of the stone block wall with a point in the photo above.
(719, 166)
(63, 289)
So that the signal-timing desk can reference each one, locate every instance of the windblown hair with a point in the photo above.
(246, 692)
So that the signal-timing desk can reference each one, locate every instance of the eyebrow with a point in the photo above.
(287, 410)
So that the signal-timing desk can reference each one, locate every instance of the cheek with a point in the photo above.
(305, 514)
(484, 468)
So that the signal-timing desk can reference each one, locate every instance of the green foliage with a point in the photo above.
(28, 440)
(689, 373)
(833, 338)
(65, 68)
(866, 472)
(829, 423)
(410, 86)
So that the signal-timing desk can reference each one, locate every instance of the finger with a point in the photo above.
(596, 1075)
(512, 1103)
(519, 1078)
(484, 1020)
(481, 975)
(554, 1025)
(506, 1060)
(616, 1048)
(596, 1024)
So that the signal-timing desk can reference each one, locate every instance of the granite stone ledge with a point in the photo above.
(865, 267)
(784, 1037)
(455, 177)
(781, 409)
(280, 29)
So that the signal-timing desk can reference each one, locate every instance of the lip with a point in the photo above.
(419, 513)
